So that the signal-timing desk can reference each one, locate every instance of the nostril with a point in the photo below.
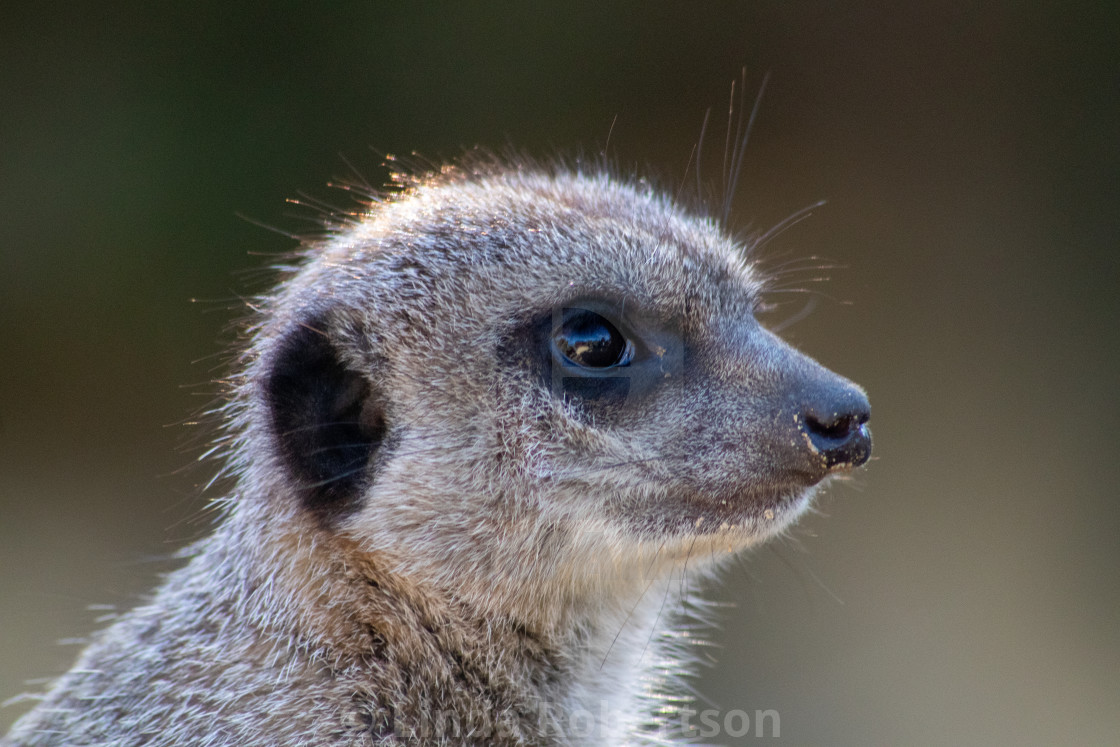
(838, 426)
(839, 437)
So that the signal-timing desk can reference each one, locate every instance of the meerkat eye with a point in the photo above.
(589, 340)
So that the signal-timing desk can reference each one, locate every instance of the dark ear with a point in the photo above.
(326, 420)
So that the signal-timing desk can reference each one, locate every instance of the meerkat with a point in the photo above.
(479, 434)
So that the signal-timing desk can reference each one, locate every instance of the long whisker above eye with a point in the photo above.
(758, 242)
(810, 305)
(742, 136)
(797, 264)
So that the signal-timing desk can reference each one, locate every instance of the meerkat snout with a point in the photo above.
(483, 435)
(824, 415)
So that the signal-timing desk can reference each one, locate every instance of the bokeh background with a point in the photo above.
(962, 590)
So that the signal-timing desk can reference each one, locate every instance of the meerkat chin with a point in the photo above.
(477, 432)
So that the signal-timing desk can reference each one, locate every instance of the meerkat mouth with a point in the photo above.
(779, 504)
(758, 513)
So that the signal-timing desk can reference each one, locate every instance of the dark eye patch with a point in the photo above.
(592, 354)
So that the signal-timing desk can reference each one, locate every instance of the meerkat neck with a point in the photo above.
(597, 668)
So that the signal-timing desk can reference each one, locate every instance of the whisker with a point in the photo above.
(741, 146)
(629, 614)
(603, 467)
(806, 310)
(781, 226)
(699, 154)
(656, 620)
(727, 137)
(684, 179)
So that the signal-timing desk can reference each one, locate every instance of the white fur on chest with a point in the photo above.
(626, 670)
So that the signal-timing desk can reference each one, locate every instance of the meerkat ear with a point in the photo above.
(326, 419)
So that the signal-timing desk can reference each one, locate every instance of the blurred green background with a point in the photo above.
(963, 590)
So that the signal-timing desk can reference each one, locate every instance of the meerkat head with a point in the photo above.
(522, 386)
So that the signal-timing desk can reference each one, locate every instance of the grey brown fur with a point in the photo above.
(431, 539)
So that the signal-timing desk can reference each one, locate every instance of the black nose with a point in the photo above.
(837, 430)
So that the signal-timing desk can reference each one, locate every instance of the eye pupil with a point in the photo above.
(591, 341)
